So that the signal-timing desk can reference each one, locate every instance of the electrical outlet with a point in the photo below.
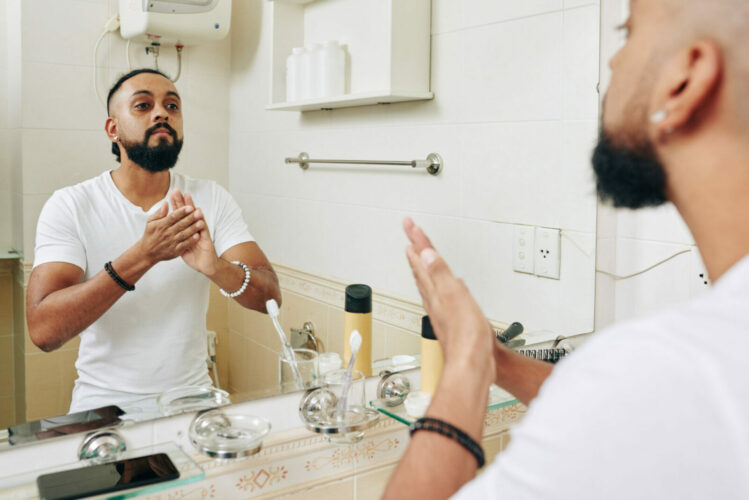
(523, 248)
(547, 253)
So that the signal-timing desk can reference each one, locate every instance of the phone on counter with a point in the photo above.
(104, 478)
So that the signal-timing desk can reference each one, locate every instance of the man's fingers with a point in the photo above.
(160, 213)
(188, 200)
(416, 235)
(176, 198)
(437, 269)
(179, 214)
(423, 281)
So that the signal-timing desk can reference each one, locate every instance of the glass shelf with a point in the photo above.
(498, 398)
(23, 486)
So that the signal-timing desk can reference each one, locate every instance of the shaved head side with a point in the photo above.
(725, 22)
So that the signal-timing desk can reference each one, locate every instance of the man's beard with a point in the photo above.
(154, 158)
(630, 177)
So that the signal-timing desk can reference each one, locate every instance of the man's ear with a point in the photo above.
(110, 127)
(685, 85)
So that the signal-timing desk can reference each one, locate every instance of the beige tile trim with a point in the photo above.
(387, 308)
(23, 271)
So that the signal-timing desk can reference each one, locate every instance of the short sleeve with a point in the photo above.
(57, 238)
(230, 228)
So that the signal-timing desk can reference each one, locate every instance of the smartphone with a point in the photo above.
(103, 478)
(64, 424)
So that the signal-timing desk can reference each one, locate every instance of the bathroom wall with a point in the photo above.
(515, 105)
(57, 139)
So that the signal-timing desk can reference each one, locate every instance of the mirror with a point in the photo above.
(514, 117)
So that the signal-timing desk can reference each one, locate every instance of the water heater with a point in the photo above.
(186, 22)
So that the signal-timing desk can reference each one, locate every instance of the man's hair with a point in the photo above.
(116, 87)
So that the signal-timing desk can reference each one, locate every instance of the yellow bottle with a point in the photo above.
(358, 316)
(432, 360)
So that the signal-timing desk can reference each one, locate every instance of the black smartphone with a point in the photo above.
(64, 424)
(103, 478)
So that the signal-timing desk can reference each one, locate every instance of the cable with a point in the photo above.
(96, 50)
(179, 62)
(638, 273)
(112, 24)
(127, 54)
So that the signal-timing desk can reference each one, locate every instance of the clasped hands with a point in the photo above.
(182, 232)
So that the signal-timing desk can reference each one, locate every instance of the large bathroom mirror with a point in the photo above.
(514, 116)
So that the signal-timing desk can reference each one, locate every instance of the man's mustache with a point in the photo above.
(153, 129)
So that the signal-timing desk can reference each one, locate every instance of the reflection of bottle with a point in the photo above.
(358, 316)
(432, 360)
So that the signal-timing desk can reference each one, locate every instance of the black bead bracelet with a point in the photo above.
(116, 277)
(452, 432)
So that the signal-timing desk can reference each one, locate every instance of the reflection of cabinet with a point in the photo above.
(387, 41)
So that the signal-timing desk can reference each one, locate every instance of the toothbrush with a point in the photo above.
(355, 343)
(272, 307)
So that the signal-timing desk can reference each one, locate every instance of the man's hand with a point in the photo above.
(465, 334)
(201, 256)
(169, 235)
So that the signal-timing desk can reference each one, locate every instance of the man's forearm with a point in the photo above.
(63, 314)
(262, 287)
(460, 400)
(519, 375)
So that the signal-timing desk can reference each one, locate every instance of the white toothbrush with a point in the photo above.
(272, 307)
(355, 343)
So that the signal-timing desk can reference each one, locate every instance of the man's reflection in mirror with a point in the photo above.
(125, 259)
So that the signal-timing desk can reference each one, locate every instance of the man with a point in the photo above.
(657, 407)
(119, 267)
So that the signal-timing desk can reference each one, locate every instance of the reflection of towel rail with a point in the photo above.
(433, 163)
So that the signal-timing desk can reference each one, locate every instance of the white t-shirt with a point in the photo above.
(151, 339)
(653, 408)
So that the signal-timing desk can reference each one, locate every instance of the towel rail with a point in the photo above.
(433, 163)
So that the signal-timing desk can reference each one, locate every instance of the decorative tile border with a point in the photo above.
(387, 308)
(298, 460)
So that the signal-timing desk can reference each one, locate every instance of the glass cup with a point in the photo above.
(308, 365)
(333, 381)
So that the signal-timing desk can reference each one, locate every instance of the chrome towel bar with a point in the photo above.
(433, 163)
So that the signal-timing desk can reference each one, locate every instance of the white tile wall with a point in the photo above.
(514, 116)
(6, 188)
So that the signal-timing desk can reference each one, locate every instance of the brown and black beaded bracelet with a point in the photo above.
(116, 277)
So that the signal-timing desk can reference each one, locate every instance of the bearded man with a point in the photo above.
(651, 408)
(115, 264)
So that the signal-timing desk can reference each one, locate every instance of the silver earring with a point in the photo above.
(658, 117)
(116, 138)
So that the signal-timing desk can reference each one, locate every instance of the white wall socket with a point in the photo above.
(547, 253)
(523, 248)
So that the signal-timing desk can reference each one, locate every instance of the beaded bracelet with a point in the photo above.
(452, 432)
(244, 283)
(116, 277)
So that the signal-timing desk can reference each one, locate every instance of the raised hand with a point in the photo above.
(169, 235)
(465, 334)
(201, 256)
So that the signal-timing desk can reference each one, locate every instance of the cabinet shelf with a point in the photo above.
(359, 99)
(388, 44)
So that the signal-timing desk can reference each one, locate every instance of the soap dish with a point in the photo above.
(191, 398)
(222, 435)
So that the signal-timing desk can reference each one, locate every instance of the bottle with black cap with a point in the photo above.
(358, 316)
(432, 360)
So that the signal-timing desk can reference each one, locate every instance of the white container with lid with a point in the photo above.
(294, 77)
(332, 75)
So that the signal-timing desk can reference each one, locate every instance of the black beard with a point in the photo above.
(154, 158)
(628, 177)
